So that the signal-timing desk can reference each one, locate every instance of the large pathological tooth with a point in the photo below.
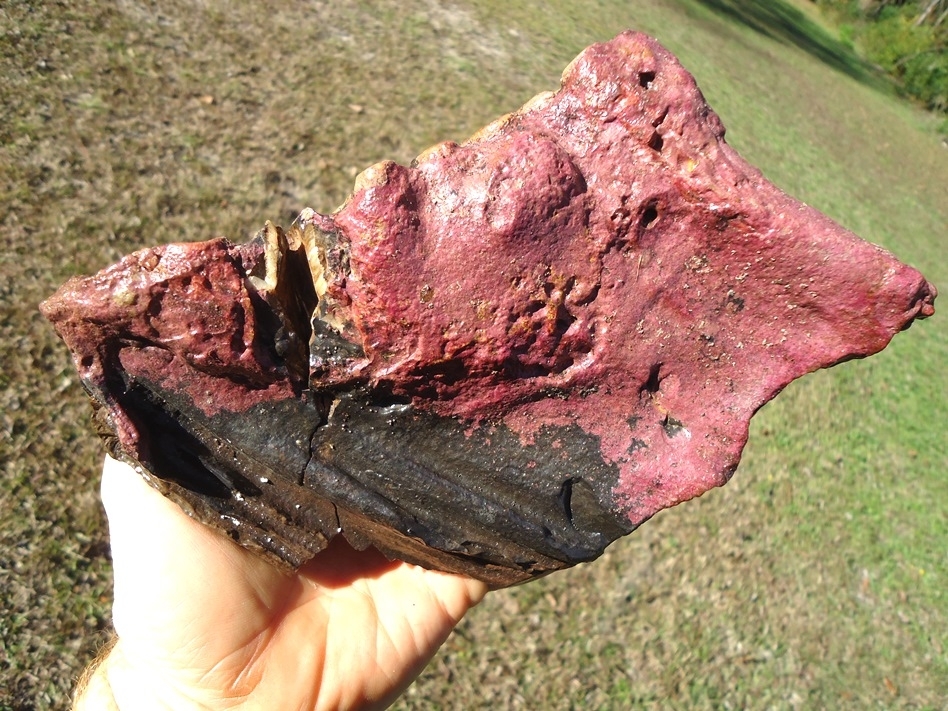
(495, 361)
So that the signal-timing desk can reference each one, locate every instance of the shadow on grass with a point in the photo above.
(782, 22)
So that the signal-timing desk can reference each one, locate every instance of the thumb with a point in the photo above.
(179, 584)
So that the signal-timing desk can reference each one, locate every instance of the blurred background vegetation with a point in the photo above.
(907, 38)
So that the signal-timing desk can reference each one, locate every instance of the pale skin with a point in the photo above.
(204, 624)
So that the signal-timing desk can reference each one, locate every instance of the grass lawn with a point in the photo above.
(815, 579)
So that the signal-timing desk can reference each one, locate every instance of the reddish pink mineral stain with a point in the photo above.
(188, 309)
(602, 257)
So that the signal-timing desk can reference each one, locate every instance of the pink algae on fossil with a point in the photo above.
(545, 334)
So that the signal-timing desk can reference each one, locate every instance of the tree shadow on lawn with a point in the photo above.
(782, 22)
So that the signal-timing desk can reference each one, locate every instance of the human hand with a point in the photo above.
(203, 623)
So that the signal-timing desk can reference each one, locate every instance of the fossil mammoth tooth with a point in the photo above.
(495, 361)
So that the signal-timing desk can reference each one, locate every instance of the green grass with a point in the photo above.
(813, 580)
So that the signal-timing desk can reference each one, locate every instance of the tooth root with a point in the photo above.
(275, 247)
